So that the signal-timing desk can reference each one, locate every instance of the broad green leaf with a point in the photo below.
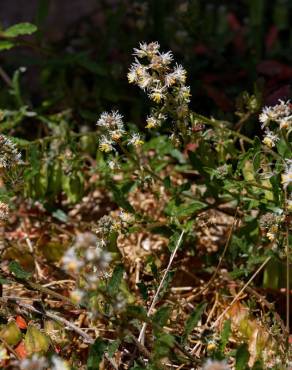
(194, 318)
(20, 29)
(96, 353)
(18, 271)
(6, 45)
(242, 357)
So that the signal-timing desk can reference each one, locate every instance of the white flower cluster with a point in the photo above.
(163, 82)
(9, 155)
(279, 117)
(88, 259)
(113, 130)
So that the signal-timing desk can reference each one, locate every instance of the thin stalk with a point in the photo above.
(155, 298)
(241, 291)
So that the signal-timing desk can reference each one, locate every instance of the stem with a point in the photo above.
(241, 291)
(155, 298)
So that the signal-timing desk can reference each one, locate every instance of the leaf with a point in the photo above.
(162, 345)
(21, 323)
(96, 353)
(225, 335)
(36, 341)
(184, 210)
(120, 198)
(11, 333)
(173, 241)
(18, 271)
(161, 316)
(242, 357)
(6, 45)
(115, 281)
(4, 281)
(20, 350)
(194, 318)
(20, 29)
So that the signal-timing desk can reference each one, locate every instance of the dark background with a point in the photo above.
(80, 55)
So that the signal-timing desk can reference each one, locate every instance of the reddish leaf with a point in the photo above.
(21, 323)
(20, 350)
(272, 37)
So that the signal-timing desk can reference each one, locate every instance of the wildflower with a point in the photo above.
(113, 164)
(71, 262)
(272, 233)
(286, 122)
(59, 364)
(279, 113)
(161, 61)
(215, 365)
(33, 363)
(180, 74)
(126, 217)
(147, 50)
(111, 120)
(9, 156)
(270, 139)
(152, 122)
(184, 93)
(105, 144)
(287, 175)
(166, 58)
(4, 211)
(157, 94)
(136, 140)
(155, 120)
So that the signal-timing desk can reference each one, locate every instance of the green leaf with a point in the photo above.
(113, 347)
(96, 353)
(173, 241)
(115, 281)
(120, 198)
(18, 271)
(161, 316)
(20, 29)
(194, 318)
(4, 281)
(225, 335)
(162, 345)
(242, 357)
(184, 210)
(6, 45)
